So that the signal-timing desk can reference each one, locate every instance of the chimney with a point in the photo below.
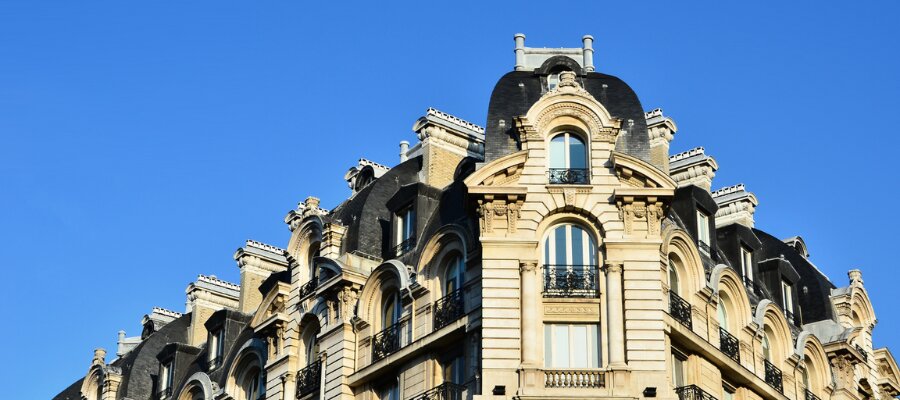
(520, 51)
(404, 148)
(120, 349)
(588, 53)
(256, 262)
(662, 130)
(736, 205)
(693, 167)
(205, 296)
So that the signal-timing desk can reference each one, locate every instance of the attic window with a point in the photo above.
(404, 231)
(216, 347)
(703, 230)
(166, 378)
(552, 81)
(747, 265)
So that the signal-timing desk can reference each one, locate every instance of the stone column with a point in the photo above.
(531, 321)
(288, 386)
(615, 315)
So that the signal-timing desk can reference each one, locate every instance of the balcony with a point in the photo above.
(809, 395)
(692, 392)
(574, 378)
(680, 310)
(390, 340)
(309, 378)
(773, 376)
(309, 287)
(444, 391)
(568, 176)
(729, 345)
(570, 281)
(448, 309)
(404, 247)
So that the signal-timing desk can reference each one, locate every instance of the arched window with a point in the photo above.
(250, 384)
(568, 159)
(570, 262)
(804, 377)
(391, 309)
(766, 347)
(312, 349)
(674, 285)
(454, 274)
(722, 315)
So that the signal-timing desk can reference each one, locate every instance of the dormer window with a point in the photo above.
(787, 297)
(166, 379)
(404, 231)
(568, 159)
(552, 81)
(703, 231)
(747, 264)
(216, 347)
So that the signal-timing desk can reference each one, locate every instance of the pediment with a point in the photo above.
(637, 173)
(272, 306)
(501, 172)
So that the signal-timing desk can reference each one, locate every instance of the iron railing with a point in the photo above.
(568, 175)
(404, 247)
(448, 309)
(444, 391)
(309, 287)
(680, 309)
(388, 341)
(693, 392)
(570, 281)
(309, 378)
(729, 345)
(809, 395)
(862, 352)
(574, 378)
(773, 376)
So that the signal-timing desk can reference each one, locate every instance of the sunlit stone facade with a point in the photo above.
(558, 252)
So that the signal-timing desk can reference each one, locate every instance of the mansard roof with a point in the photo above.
(517, 91)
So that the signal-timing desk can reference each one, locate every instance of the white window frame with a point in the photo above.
(747, 263)
(405, 225)
(216, 344)
(167, 376)
(787, 296)
(703, 228)
(678, 368)
(594, 356)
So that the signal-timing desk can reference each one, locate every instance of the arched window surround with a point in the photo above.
(249, 362)
(679, 247)
(570, 259)
(568, 156)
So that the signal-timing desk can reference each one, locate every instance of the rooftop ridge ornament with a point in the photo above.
(433, 112)
(264, 246)
(729, 190)
(216, 281)
(685, 154)
(165, 311)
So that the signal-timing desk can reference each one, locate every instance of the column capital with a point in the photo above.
(613, 267)
(527, 265)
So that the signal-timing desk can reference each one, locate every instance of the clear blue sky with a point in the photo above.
(143, 142)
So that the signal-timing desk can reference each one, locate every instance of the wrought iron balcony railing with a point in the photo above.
(309, 287)
(773, 376)
(568, 176)
(729, 345)
(570, 281)
(574, 378)
(389, 340)
(309, 378)
(693, 392)
(809, 395)
(448, 309)
(404, 247)
(444, 391)
(680, 309)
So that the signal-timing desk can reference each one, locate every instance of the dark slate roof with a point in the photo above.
(73, 392)
(139, 364)
(814, 287)
(517, 91)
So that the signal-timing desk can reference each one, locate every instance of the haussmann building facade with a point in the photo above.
(560, 252)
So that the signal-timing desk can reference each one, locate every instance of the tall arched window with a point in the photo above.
(453, 275)
(722, 315)
(390, 309)
(674, 285)
(250, 383)
(570, 262)
(766, 347)
(568, 159)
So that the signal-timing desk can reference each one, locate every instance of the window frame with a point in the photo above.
(552, 346)
(567, 164)
(746, 263)
(703, 233)
(678, 364)
(404, 225)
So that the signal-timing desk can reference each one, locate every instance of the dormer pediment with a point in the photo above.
(272, 307)
(634, 172)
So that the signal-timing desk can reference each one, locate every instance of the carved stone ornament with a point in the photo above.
(512, 217)
(613, 267)
(492, 209)
(527, 266)
(843, 371)
(638, 213)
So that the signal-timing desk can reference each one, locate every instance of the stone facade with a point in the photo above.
(582, 262)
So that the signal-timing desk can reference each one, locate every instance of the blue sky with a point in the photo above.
(143, 142)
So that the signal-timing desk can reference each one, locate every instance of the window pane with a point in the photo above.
(561, 345)
(577, 246)
(579, 346)
(595, 346)
(576, 153)
(548, 346)
(560, 239)
(558, 152)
